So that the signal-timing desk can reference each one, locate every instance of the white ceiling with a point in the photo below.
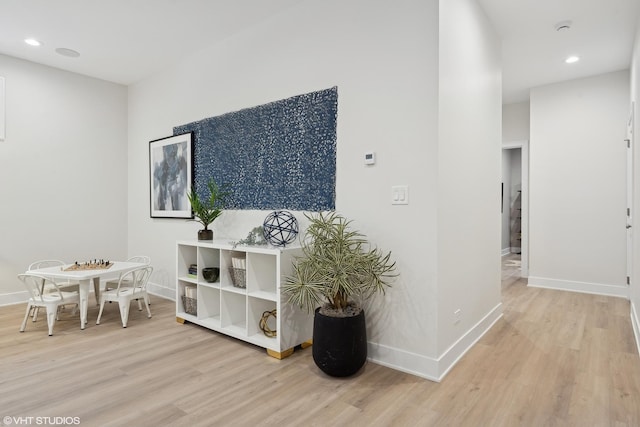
(533, 52)
(124, 41)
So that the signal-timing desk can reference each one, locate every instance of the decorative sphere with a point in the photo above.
(280, 228)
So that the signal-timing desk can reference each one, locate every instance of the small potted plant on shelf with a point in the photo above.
(338, 267)
(208, 210)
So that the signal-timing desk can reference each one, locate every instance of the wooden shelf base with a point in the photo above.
(180, 320)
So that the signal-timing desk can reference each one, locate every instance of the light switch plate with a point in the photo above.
(400, 195)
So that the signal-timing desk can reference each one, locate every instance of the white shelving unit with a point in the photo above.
(236, 311)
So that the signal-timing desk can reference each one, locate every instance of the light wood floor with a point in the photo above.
(556, 358)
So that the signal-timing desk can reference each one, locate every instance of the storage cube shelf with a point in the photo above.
(234, 310)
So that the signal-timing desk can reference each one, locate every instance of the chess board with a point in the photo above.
(90, 265)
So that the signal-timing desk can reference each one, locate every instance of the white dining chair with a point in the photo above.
(51, 300)
(63, 285)
(110, 284)
(113, 283)
(132, 285)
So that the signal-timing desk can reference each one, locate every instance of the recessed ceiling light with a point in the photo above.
(67, 52)
(572, 59)
(32, 42)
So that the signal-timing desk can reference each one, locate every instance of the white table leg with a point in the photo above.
(96, 289)
(84, 301)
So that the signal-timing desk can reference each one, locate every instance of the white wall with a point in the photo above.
(577, 184)
(383, 57)
(387, 96)
(63, 169)
(469, 167)
(515, 122)
(635, 99)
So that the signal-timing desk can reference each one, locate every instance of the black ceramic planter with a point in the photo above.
(339, 344)
(205, 234)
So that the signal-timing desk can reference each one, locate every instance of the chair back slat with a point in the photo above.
(52, 263)
(134, 280)
(140, 258)
(44, 263)
(36, 284)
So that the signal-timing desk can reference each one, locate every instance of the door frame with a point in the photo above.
(524, 250)
(630, 211)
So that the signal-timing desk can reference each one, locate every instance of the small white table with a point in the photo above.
(84, 278)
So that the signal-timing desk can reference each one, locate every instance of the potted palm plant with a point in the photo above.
(337, 271)
(208, 210)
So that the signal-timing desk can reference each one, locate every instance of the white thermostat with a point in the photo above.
(370, 158)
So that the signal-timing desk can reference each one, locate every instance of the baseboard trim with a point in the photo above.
(433, 369)
(635, 322)
(583, 287)
(454, 353)
(509, 251)
(161, 291)
(14, 298)
(404, 361)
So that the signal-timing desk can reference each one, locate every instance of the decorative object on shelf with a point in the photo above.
(291, 142)
(190, 305)
(190, 301)
(264, 323)
(211, 274)
(280, 228)
(338, 265)
(238, 277)
(170, 176)
(207, 211)
(238, 272)
(193, 271)
(254, 238)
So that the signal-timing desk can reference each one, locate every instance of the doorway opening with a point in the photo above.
(515, 208)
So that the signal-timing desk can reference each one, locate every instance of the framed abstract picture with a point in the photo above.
(170, 176)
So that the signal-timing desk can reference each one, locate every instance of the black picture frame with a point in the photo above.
(171, 176)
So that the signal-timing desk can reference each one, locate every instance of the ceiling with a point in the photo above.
(124, 41)
(533, 52)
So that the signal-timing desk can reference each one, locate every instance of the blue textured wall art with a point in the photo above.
(280, 155)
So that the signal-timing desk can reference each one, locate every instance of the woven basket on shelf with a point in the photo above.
(238, 277)
(190, 305)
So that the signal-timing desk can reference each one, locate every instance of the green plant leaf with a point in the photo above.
(207, 211)
(337, 264)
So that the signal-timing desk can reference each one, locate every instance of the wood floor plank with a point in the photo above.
(555, 358)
